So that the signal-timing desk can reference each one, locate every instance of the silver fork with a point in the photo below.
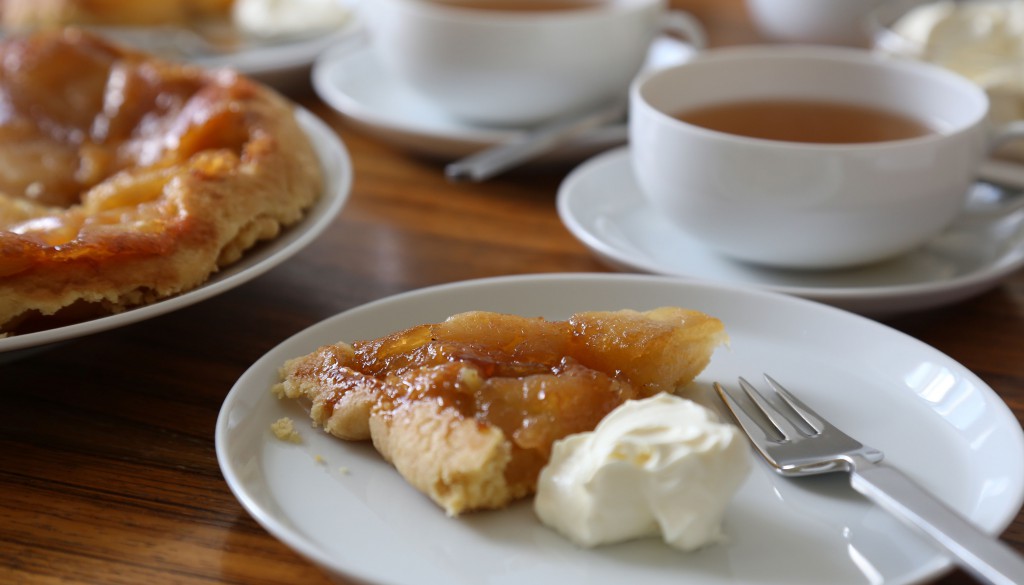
(797, 442)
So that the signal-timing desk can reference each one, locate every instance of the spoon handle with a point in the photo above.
(497, 159)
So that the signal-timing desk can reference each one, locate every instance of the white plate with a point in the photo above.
(339, 505)
(281, 64)
(337, 168)
(601, 204)
(350, 79)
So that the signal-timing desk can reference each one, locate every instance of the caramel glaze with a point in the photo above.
(106, 110)
(536, 380)
(99, 111)
(113, 158)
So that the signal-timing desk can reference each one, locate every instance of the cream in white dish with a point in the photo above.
(268, 18)
(982, 40)
(972, 38)
(663, 466)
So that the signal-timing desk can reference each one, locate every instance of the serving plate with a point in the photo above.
(340, 506)
(284, 62)
(337, 168)
(280, 60)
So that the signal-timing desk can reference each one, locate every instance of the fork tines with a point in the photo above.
(779, 413)
(787, 432)
(786, 412)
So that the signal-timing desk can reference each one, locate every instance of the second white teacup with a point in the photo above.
(829, 22)
(519, 62)
(833, 201)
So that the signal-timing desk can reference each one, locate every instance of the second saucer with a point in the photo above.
(350, 78)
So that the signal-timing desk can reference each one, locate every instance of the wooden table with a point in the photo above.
(107, 465)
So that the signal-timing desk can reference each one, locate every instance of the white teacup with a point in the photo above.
(829, 22)
(808, 205)
(512, 63)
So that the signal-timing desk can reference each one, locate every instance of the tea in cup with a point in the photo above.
(519, 62)
(808, 157)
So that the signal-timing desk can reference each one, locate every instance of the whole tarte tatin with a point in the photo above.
(125, 179)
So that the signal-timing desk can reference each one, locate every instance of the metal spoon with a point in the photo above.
(497, 159)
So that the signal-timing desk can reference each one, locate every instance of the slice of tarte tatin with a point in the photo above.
(467, 409)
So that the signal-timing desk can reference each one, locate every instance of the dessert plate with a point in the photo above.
(342, 507)
(601, 204)
(350, 79)
(280, 63)
(276, 61)
(337, 166)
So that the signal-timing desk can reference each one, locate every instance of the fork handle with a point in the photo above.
(984, 556)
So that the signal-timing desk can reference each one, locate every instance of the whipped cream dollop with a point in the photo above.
(982, 40)
(662, 465)
(287, 17)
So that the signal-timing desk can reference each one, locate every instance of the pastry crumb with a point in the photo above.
(278, 390)
(319, 459)
(344, 470)
(284, 429)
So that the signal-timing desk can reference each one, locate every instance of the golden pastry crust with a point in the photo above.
(457, 462)
(467, 409)
(125, 179)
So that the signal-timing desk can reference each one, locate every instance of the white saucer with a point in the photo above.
(600, 203)
(350, 79)
(342, 507)
(337, 166)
